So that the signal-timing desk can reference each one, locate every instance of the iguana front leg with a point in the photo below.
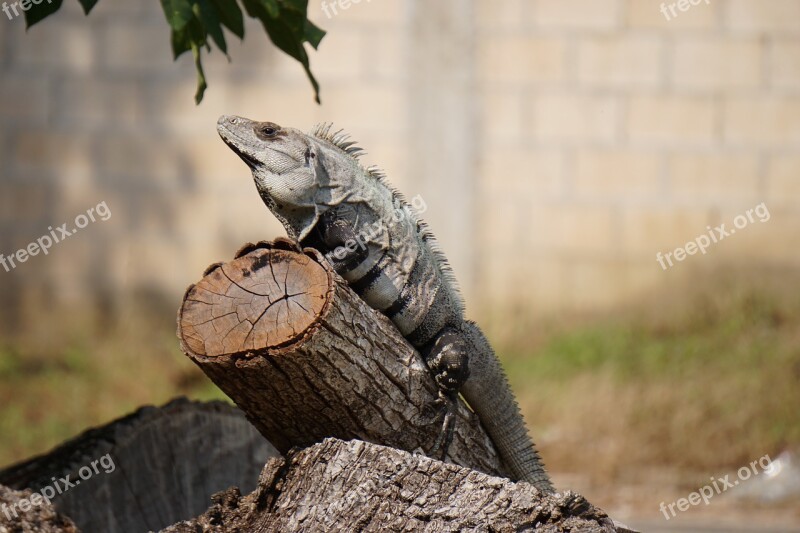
(337, 235)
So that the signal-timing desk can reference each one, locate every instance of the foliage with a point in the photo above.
(193, 22)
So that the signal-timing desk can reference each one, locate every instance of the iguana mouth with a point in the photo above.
(248, 159)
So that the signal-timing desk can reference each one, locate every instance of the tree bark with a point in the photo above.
(305, 358)
(19, 515)
(166, 463)
(357, 486)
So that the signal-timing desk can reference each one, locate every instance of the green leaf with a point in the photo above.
(193, 36)
(284, 38)
(298, 20)
(231, 16)
(293, 13)
(313, 80)
(201, 77)
(39, 12)
(181, 42)
(289, 31)
(198, 38)
(297, 5)
(178, 13)
(87, 5)
(255, 9)
(193, 21)
(207, 13)
(313, 34)
(272, 7)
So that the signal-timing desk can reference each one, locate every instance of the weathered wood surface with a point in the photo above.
(18, 515)
(357, 486)
(166, 463)
(305, 358)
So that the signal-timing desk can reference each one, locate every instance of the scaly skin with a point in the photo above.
(324, 198)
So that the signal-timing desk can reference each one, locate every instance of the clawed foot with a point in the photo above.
(447, 362)
(448, 406)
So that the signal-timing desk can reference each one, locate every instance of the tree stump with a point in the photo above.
(357, 486)
(305, 358)
(166, 463)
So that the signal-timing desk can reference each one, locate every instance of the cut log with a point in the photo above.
(151, 469)
(357, 486)
(305, 358)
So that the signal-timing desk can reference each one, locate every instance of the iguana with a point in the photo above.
(316, 187)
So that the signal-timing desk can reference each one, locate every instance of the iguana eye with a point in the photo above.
(268, 130)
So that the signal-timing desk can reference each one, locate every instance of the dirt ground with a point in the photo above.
(636, 504)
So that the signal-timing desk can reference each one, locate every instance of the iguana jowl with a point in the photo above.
(316, 187)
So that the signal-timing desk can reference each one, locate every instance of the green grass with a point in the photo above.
(710, 385)
(49, 394)
(740, 342)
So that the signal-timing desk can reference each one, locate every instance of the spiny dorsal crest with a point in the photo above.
(337, 138)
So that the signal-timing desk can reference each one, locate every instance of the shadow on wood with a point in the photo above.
(154, 467)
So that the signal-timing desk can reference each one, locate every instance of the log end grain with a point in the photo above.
(267, 298)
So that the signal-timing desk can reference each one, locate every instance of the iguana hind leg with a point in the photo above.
(447, 361)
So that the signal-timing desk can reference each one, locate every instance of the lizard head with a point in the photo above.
(288, 168)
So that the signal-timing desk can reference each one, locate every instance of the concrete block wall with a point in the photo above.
(559, 144)
(611, 133)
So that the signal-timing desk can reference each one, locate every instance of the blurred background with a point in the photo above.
(559, 145)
